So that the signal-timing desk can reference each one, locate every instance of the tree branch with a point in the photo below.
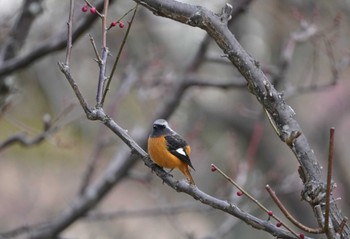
(281, 114)
(105, 183)
(117, 169)
(31, 9)
(49, 128)
(54, 43)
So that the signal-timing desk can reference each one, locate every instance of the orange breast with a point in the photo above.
(159, 153)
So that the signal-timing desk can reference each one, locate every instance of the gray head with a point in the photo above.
(160, 127)
(161, 123)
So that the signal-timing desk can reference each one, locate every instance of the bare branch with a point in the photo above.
(54, 43)
(23, 140)
(98, 12)
(251, 198)
(69, 32)
(31, 9)
(329, 179)
(98, 58)
(126, 85)
(65, 70)
(116, 170)
(98, 190)
(342, 225)
(49, 127)
(106, 89)
(289, 216)
(104, 24)
(282, 115)
(102, 76)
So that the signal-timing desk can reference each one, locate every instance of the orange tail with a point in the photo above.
(185, 170)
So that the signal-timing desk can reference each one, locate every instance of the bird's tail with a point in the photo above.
(186, 171)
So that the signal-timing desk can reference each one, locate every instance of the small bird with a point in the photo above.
(169, 150)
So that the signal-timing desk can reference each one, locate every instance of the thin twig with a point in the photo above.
(104, 54)
(342, 225)
(124, 15)
(241, 189)
(49, 128)
(98, 58)
(24, 141)
(97, 12)
(104, 24)
(53, 43)
(102, 77)
(329, 178)
(118, 56)
(65, 70)
(289, 216)
(254, 200)
(69, 31)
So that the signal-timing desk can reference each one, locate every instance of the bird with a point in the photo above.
(169, 150)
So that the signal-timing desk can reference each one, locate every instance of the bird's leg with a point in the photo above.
(157, 166)
(169, 172)
(154, 165)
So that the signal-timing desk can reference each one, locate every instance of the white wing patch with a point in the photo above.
(181, 151)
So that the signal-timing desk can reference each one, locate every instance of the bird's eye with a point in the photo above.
(157, 126)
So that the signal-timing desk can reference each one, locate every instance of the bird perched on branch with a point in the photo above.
(169, 150)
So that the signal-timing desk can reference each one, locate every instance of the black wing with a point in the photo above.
(176, 142)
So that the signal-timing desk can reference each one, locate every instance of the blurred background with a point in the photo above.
(302, 46)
